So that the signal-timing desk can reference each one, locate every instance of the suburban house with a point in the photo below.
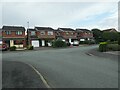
(110, 30)
(67, 34)
(0, 35)
(41, 36)
(14, 36)
(84, 34)
(32, 38)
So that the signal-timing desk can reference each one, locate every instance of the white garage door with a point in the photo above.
(0, 42)
(35, 43)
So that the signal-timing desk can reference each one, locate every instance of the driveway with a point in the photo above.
(71, 67)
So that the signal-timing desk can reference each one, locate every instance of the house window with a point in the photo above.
(32, 33)
(86, 33)
(18, 42)
(72, 33)
(8, 32)
(50, 32)
(42, 33)
(67, 33)
(19, 32)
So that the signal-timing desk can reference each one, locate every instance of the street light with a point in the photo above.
(28, 34)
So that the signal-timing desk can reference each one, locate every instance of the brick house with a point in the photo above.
(67, 34)
(84, 34)
(110, 30)
(0, 35)
(32, 37)
(41, 36)
(14, 36)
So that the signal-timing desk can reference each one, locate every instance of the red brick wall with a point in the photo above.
(24, 43)
(13, 34)
(88, 35)
(38, 34)
(69, 35)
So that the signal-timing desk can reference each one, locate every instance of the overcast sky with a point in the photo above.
(76, 14)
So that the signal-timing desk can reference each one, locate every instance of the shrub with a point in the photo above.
(12, 48)
(87, 42)
(114, 42)
(68, 44)
(58, 44)
(113, 47)
(119, 40)
(30, 47)
(103, 47)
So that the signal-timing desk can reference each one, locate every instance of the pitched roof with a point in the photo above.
(44, 28)
(31, 29)
(110, 30)
(83, 30)
(13, 28)
(66, 29)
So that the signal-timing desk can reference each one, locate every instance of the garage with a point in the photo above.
(35, 43)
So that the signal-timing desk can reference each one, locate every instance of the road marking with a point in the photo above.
(41, 77)
(89, 54)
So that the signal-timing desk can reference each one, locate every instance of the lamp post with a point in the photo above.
(28, 34)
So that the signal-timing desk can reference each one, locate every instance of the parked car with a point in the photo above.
(3, 46)
(76, 43)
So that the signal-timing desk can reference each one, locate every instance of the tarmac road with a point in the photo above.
(71, 67)
(19, 75)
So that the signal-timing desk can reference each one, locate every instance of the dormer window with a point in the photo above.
(8, 32)
(18, 32)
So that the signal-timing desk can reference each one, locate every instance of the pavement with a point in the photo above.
(19, 75)
(113, 55)
(113, 52)
(71, 67)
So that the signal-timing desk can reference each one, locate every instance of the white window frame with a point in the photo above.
(67, 33)
(19, 32)
(72, 33)
(50, 32)
(33, 33)
(8, 32)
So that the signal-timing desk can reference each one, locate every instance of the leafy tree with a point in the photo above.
(97, 34)
(110, 36)
(119, 40)
(59, 44)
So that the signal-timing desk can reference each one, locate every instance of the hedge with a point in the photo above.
(103, 47)
(119, 40)
(113, 47)
(12, 48)
(58, 44)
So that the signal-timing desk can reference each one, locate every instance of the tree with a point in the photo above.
(110, 36)
(119, 38)
(97, 34)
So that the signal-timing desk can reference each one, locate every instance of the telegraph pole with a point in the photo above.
(28, 34)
